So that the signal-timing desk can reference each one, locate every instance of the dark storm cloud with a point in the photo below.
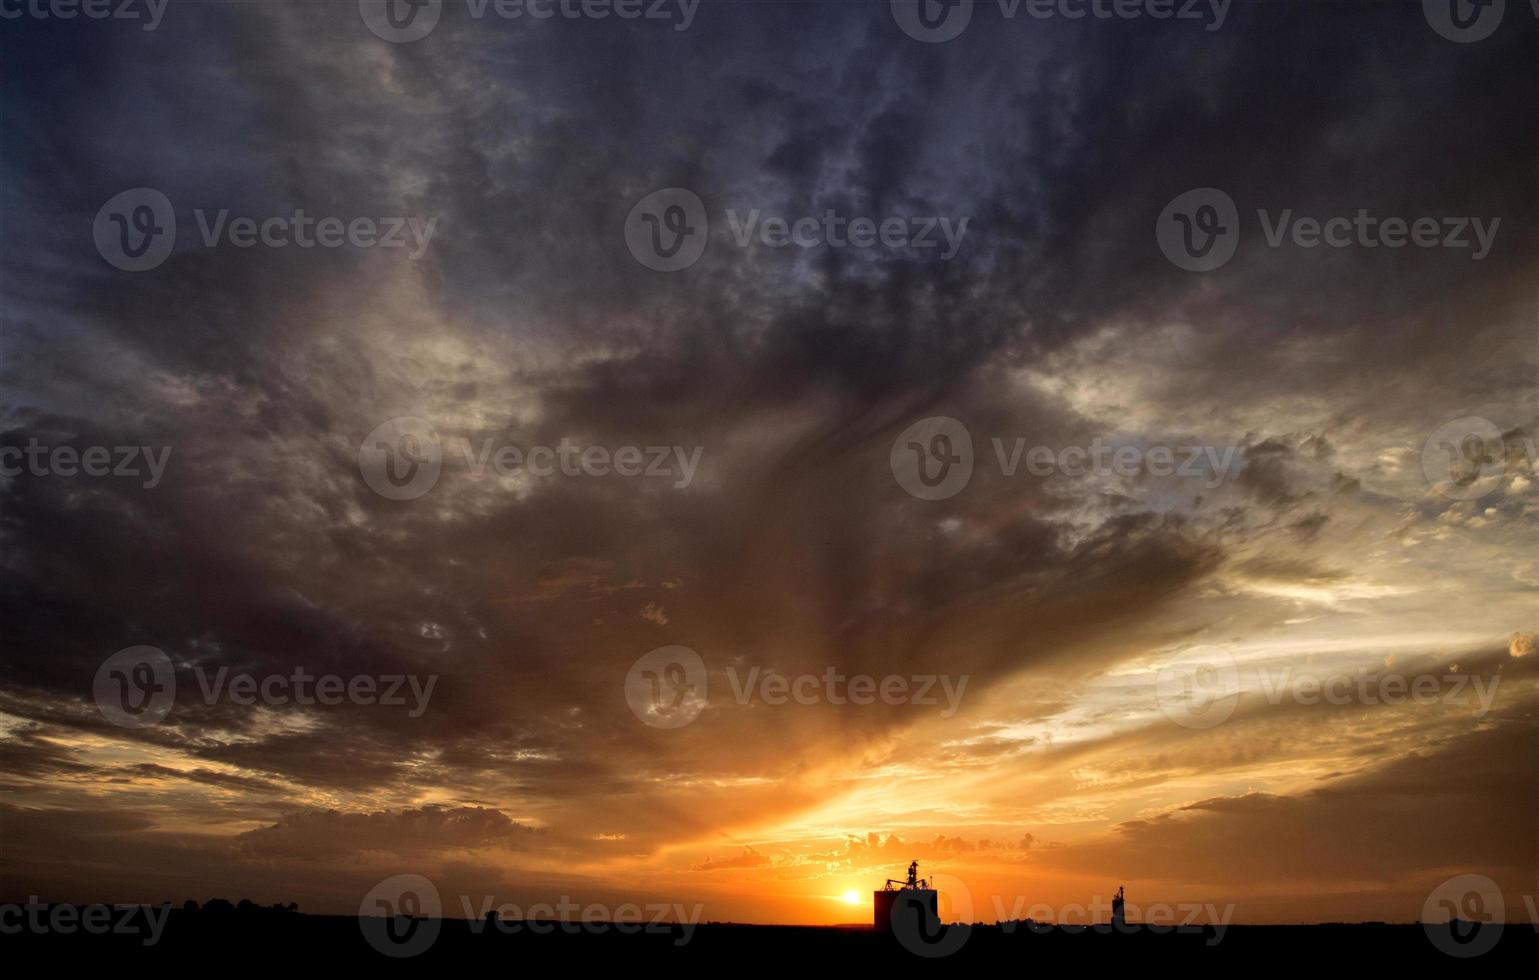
(527, 319)
(327, 833)
(1399, 828)
(26, 755)
(209, 777)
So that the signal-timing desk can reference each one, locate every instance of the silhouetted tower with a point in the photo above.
(1119, 919)
(913, 897)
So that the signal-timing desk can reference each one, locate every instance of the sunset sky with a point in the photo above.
(1050, 603)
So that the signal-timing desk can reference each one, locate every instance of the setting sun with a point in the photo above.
(852, 897)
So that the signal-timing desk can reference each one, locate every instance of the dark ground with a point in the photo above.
(294, 941)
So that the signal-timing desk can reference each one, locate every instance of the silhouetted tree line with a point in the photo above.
(223, 906)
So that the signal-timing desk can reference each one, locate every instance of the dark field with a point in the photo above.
(305, 941)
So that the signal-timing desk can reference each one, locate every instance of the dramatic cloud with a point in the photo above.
(1278, 506)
